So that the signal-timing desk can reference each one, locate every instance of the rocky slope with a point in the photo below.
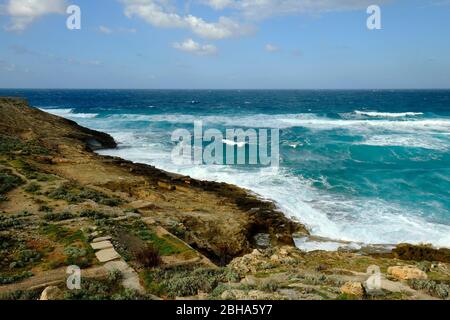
(138, 232)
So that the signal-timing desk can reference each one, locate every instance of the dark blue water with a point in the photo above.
(363, 166)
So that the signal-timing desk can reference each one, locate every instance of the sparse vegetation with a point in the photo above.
(8, 181)
(438, 289)
(52, 216)
(73, 193)
(77, 256)
(166, 245)
(103, 289)
(33, 187)
(13, 221)
(92, 214)
(8, 279)
(9, 145)
(186, 282)
(22, 295)
(45, 208)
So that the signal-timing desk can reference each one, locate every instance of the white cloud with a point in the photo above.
(191, 46)
(105, 30)
(25, 12)
(271, 48)
(220, 4)
(160, 14)
(259, 9)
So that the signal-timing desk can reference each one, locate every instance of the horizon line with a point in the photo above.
(234, 89)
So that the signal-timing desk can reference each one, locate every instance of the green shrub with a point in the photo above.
(104, 289)
(73, 193)
(11, 222)
(59, 216)
(24, 258)
(8, 279)
(185, 282)
(270, 286)
(32, 187)
(8, 181)
(77, 256)
(10, 145)
(149, 257)
(61, 234)
(21, 295)
(45, 208)
(92, 214)
(438, 289)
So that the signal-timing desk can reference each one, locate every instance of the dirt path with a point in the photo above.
(53, 277)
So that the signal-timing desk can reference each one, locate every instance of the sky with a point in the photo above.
(225, 44)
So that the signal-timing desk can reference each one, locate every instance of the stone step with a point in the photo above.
(100, 239)
(101, 245)
(106, 255)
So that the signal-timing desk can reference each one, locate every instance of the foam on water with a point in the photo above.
(69, 113)
(415, 141)
(376, 114)
(284, 121)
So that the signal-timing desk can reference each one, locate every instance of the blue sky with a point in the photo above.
(222, 44)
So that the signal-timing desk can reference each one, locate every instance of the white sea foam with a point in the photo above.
(310, 121)
(68, 113)
(402, 140)
(376, 114)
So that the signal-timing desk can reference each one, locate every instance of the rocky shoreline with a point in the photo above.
(172, 236)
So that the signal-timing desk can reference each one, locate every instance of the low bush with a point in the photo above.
(8, 279)
(72, 193)
(24, 258)
(8, 181)
(12, 221)
(179, 282)
(45, 208)
(77, 256)
(59, 216)
(104, 289)
(32, 187)
(9, 145)
(92, 214)
(149, 257)
(438, 289)
(21, 295)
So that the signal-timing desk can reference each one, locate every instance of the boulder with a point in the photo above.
(353, 289)
(52, 293)
(406, 273)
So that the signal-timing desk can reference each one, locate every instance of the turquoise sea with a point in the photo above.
(369, 167)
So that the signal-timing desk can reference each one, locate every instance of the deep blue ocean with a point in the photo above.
(369, 167)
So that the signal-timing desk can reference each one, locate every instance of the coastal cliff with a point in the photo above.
(164, 235)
